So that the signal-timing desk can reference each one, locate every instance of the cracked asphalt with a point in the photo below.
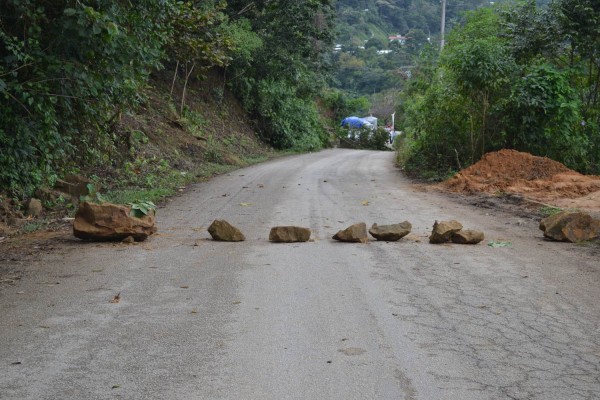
(199, 319)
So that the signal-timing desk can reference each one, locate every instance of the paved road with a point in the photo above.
(200, 319)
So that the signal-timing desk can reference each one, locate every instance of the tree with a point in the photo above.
(280, 85)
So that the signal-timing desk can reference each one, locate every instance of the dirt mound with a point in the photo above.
(538, 178)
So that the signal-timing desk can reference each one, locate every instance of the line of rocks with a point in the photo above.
(443, 232)
(114, 222)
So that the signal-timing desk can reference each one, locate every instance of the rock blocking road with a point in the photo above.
(201, 319)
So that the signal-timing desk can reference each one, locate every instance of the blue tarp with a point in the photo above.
(354, 122)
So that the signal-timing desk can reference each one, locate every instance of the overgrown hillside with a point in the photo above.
(70, 70)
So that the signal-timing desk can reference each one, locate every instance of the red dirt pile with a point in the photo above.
(538, 178)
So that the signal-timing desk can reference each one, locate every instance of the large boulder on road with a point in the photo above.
(289, 234)
(390, 233)
(223, 231)
(355, 233)
(109, 221)
(570, 227)
(442, 231)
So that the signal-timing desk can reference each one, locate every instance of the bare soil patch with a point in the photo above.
(536, 178)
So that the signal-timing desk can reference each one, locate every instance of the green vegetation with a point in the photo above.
(363, 138)
(70, 71)
(517, 77)
(93, 196)
(139, 208)
(548, 211)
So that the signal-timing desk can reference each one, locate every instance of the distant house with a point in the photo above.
(398, 38)
(338, 47)
(384, 51)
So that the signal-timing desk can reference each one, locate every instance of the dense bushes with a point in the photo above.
(279, 82)
(69, 68)
(513, 78)
(66, 70)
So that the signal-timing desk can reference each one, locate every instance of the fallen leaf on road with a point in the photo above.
(193, 312)
(184, 287)
(245, 204)
(237, 302)
(365, 203)
(499, 243)
(116, 298)
(115, 386)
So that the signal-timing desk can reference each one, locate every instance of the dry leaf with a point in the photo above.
(116, 299)
(184, 287)
(365, 203)
(245, 204)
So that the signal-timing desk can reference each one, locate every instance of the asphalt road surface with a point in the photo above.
(199, 319)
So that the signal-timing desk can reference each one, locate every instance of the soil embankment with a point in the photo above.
(537, 178)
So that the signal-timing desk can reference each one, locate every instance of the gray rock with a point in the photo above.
(223, 231)
(355, 233)
(390, 233)
(467, 236)
(289, 234)
(570, 227)
(108, 221)
(34, 207)
(442, 231)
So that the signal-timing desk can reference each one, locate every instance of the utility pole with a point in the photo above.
(443, 28)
